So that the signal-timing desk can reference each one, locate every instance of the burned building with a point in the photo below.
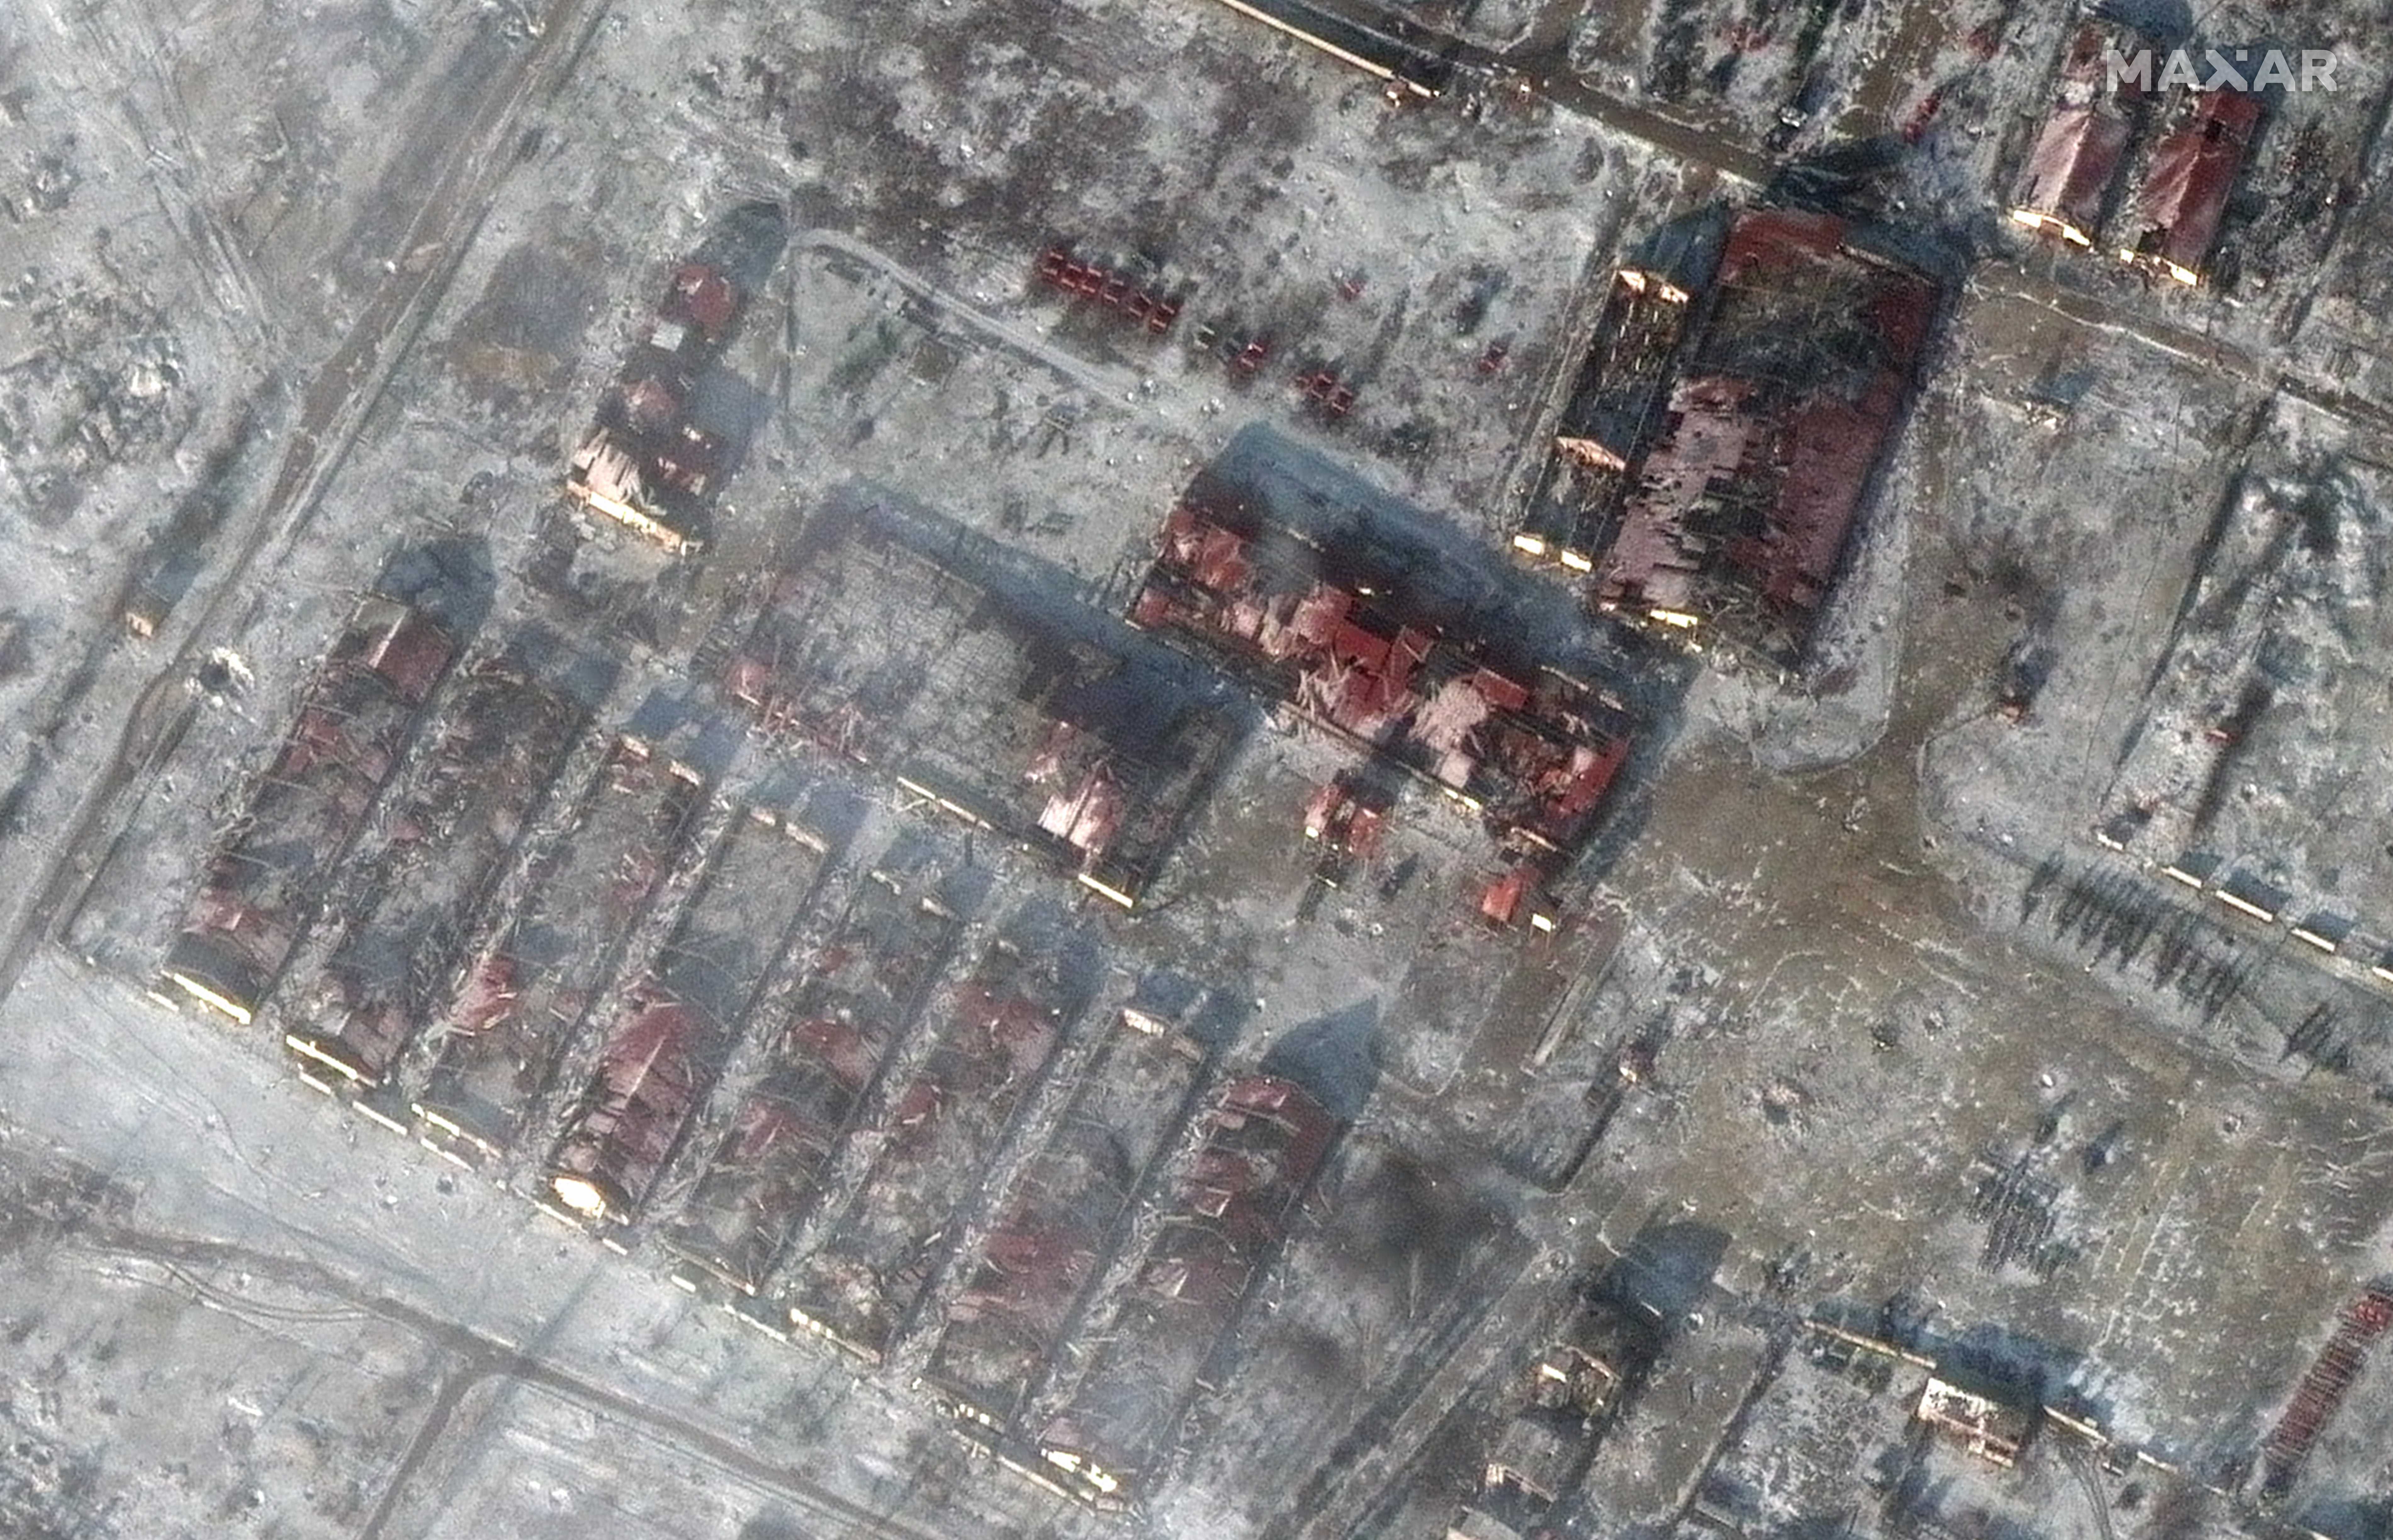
(1614, 405)
(1554, 1411)
(861, 988)
(259, 891)
(2266, 715)
(2066, 183)
(389, 977)
(1003, 707)
(2180, 193)
(515, 1007)
(996, 1031)
(672, 1030)
(1532, 750)
(1264, 1142)
(648, 463)
(1987, 1425)
(1345, 822)
(1741, 514)
(1065, 1218)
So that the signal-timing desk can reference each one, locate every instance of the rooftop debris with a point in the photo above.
(1519, 895)
(1614, 409)
(258, 893)
(1554, 1412)
(1262, 1146)
(389, 976)
(2066, 185)
(1006, 711)
(672, 1030)
(514, 1008)
(645, 464)
(998, 1030)
(2181, 190)
(1740, 514)
(861, 989)
(1035, 1271)
(1988, 1428)
(1345, 821)
(1534, 752)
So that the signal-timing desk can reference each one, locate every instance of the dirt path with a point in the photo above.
(333, 410)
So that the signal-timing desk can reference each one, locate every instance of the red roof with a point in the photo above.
(410, 654)
(1342, 658)
(2193, 174)
(703, 297)
(2071, 167)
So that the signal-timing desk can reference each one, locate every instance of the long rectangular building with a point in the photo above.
(1063, 1220)
(998, 1030)
(259, 891)
(1615, 406)
(1743, 511)
(2181, 192)
(2064, 188)
(389, 977)
(516, 1007)
(863, 987)
(672, 1030)
(1263, 1143)
(984, 701)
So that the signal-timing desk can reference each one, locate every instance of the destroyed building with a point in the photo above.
(1067, 1215)
(1983, 1422)
(1554, 1410)
(859, 991)
(1347, 641)
(1055, 726)
(2179, 194)
(516, 1007)
(2223, 786)
(1614, 408)
(996, 1033)
(645, 464)
(648, 461)
(259, 891)
(1741, 513)
(1264, 1142)
(503, 737)
(673, 1028)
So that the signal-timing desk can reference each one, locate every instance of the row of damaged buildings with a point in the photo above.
(1345, 632)
(1711, 463)
(977, 693)
(2145, 171)
(564, 959)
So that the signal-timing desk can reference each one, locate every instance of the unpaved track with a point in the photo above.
(333, 410)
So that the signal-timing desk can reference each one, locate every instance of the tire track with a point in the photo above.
(333, 411)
